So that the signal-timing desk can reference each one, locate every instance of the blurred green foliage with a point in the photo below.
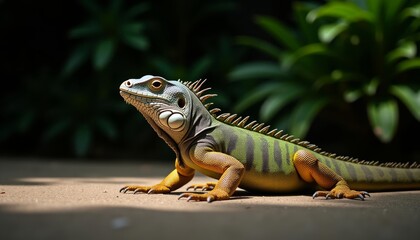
(69, 105)
(339, 54)
(105, 28)
(64, 61)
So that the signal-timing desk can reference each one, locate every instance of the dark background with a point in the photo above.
(49, 109)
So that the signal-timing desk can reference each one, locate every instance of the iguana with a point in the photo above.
(247, 155)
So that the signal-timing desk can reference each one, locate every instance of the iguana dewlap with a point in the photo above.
(246, 155)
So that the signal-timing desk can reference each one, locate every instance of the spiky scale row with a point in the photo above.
(230, 118)
(241, 124)
(236, 122)
(250, 125)
(233, 120)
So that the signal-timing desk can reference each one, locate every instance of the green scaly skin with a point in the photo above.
(246, 155)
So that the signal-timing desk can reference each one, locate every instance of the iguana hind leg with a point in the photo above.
(311, 169)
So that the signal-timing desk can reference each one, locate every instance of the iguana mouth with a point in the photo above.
(144, 103)
(130, 96)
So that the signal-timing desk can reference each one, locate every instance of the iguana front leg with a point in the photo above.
(230, 168)
(176, 179)
(311, 169)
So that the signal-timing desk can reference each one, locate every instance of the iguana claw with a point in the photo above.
(158, 188)
(208, 196)
(124, 189)
(182, 195)
(209, 199)
(336, 193)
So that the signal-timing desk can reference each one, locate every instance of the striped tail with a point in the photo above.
(376, 178)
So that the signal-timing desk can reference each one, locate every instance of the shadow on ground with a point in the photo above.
(74, 200)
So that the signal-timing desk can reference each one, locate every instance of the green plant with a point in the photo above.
(84, 110)
(106, 28)
(340, 53)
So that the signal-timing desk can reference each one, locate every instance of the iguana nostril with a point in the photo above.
(128, 83)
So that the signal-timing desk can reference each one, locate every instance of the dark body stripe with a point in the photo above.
(249, 152)
(368, 173)
(336, 167)
(232, 143)
(393, 174)
(287, 154)
(352, 171)
(265, 155)
(277, 155)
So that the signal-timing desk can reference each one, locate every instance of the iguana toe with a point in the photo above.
(158, 188)
(211, 196)
(342, 193)
(203, 187)
(123, 189)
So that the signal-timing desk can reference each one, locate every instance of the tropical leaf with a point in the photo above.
(86, 30)
(355, 48)
(76, 59)
(133, 28)
(255, 70)
(373, 6)
(409, 64)
(257, 95)
(307, 31)
(304, 113)
(103, 53)
(343, 10)
(261, 45)
(305, 51)
(383, 118)
(405, 50)
(371, 87)
(278, 100)
(280, 32)
(329, 32)
(338, 76)
(413, 11)
(352, 95)
(136, 41)
(409, 97)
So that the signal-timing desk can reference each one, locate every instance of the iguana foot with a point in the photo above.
(342, 191)
(211, 196)
(158, 188)
(203, 187)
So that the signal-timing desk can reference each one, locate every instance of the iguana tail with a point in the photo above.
(377, 178)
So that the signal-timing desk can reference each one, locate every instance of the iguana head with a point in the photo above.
(168, 106)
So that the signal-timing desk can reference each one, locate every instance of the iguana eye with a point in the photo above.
(156, 85)
(181, 102)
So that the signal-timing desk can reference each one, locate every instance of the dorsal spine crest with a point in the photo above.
(240, 122)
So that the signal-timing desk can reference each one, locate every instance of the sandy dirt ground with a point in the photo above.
(47, 199)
